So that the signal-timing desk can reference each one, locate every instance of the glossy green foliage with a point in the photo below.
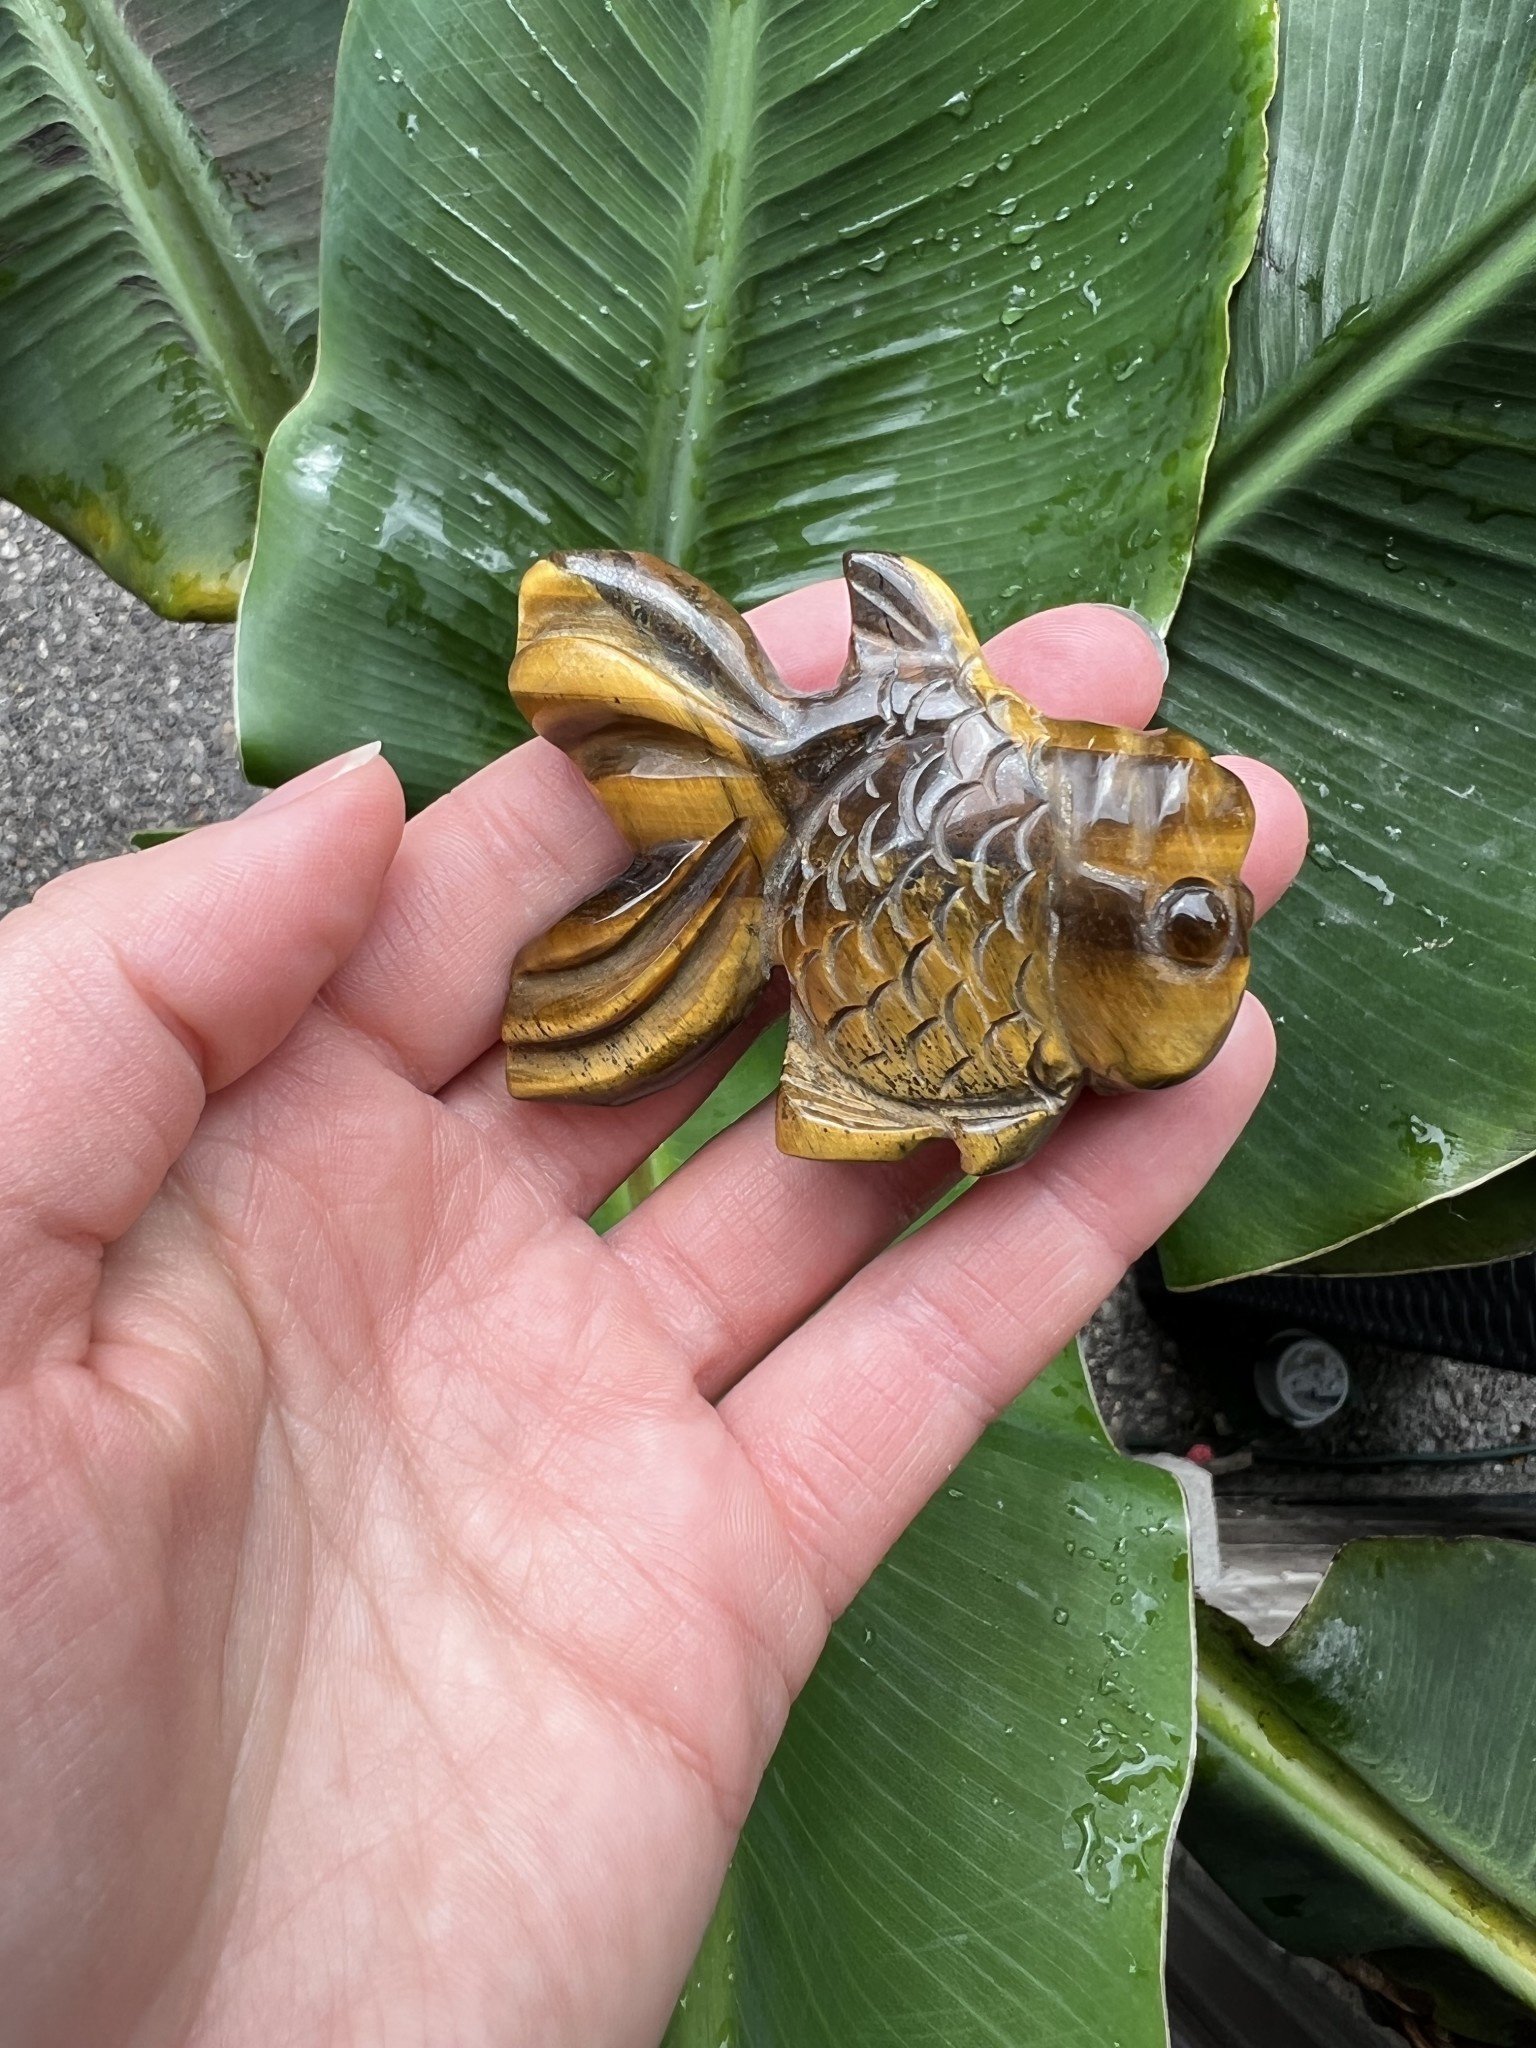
(1365, 1788)
(745, 284)
(160, 168)
(963, 1833)
(1496, 1220)
(1362, 613)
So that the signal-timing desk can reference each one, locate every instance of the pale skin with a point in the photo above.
(401, 1587)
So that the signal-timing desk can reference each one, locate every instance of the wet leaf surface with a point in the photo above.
(745, 285)
(963, 1835)
(160, 165)
(1361, 613)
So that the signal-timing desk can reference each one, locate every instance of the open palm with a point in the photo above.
(401, 1587)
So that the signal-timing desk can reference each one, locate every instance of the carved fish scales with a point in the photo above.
(978, 908)
(915, 940)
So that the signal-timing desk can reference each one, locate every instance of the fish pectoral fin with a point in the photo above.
(823, 1113)
(992, 1144)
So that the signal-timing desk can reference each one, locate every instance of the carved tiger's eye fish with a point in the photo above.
(978, 908)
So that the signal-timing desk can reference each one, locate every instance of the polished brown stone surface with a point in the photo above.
(978, 908)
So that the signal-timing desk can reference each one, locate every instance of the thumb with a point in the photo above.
(130, 990)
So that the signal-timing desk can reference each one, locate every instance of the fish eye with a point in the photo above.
(1193, 923)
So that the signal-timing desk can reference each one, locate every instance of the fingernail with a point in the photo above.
(1137, 618)
(315, 778)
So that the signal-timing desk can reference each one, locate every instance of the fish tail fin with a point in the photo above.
(661, 695)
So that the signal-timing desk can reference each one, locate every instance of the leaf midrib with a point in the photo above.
(710, 252)
(1245, 1724)
(1340, 386)
(123, 109)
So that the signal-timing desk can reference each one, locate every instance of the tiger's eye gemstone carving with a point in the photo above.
(979, 909)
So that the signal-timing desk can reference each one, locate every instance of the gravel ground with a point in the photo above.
(112, 720)
(1404, 1406)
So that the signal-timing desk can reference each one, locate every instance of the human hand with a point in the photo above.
(402, 1588)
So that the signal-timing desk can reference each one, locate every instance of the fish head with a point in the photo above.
(1149, 916)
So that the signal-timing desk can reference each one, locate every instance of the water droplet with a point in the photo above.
(1432, 1149)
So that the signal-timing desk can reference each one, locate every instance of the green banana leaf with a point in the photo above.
(1361, 612)
(745, 284)
(962, 1838)
(1366, 1789)
(160, 168)
(1496, 1220)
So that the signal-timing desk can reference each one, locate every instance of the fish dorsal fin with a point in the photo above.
(908, 623)
(903, 614)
